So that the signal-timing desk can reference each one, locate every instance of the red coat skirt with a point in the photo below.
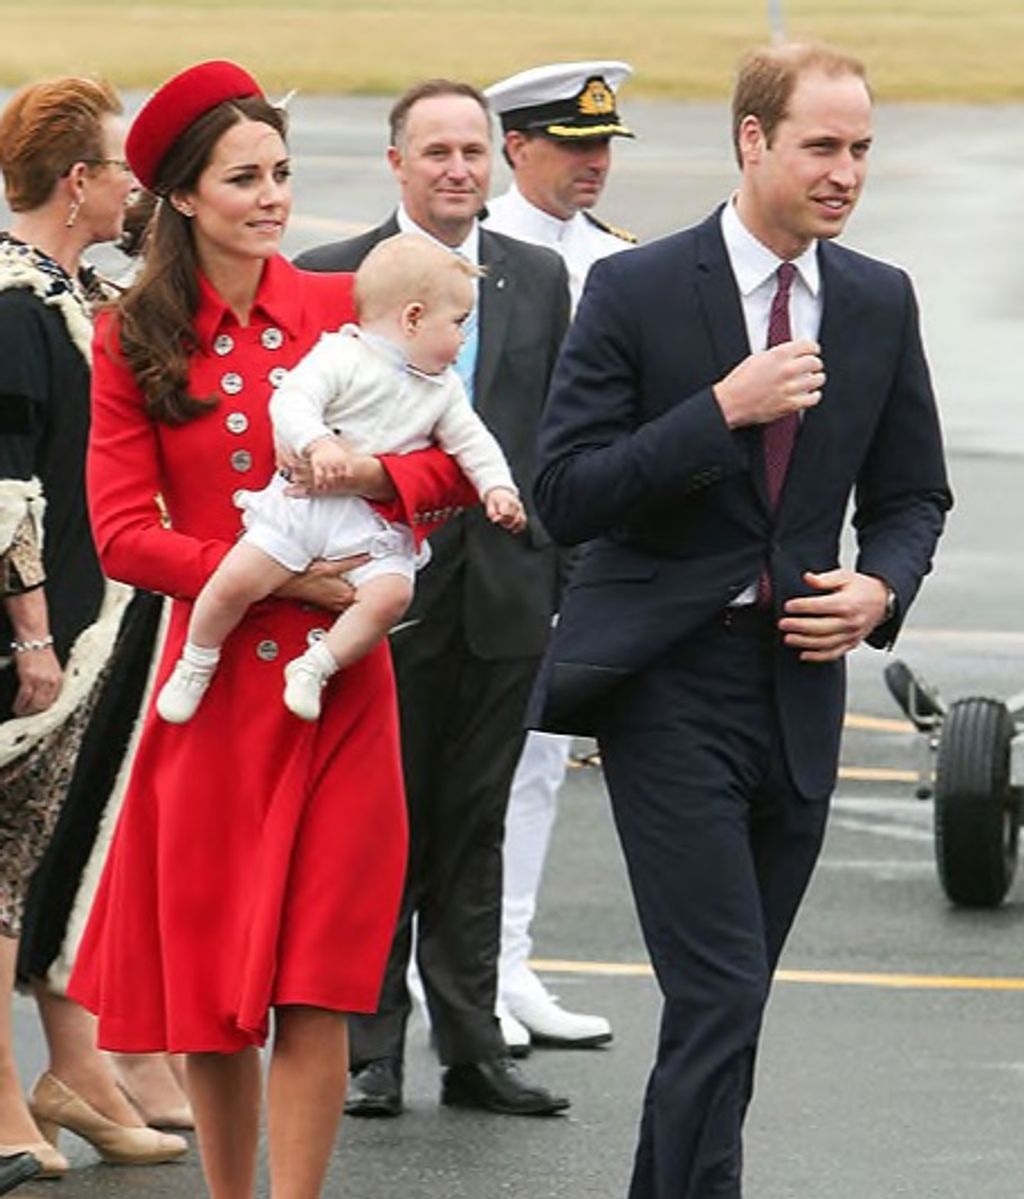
(258, 859)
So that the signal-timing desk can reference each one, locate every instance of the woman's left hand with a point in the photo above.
(39, 681)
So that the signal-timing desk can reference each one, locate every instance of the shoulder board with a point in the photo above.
(624, 234)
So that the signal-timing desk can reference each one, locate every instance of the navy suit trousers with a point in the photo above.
(719, 848)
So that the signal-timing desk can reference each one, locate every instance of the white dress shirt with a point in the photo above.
(577, 241)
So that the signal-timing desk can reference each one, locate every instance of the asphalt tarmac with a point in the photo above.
(893, 1057)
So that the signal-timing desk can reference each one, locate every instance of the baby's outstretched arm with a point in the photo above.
(504, 507)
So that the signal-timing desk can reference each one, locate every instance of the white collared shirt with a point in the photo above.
(469, 249)
(578, 241)
(754, 267)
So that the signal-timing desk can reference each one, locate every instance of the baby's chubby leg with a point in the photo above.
(379, 604)
(245, 575)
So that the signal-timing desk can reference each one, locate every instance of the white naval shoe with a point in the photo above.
(550, 1024)
(182, 694)
(515, 1035)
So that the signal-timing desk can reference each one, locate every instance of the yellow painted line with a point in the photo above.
(876, 724)
(877, 774)
(824, 978)
(854, 774)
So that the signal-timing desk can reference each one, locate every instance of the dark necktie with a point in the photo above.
(779, 436)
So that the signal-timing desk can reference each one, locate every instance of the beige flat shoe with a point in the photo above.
(54, 1163)
(55, 1106)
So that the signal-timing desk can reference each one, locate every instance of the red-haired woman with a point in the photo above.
(258, 864)
(62, 158)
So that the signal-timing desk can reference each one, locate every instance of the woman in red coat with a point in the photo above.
(258, 862)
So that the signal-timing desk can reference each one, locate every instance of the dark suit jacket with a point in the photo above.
(510, 583)
(635, 455)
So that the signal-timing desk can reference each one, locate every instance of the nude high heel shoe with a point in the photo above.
(54, 1164)
(55, 1106)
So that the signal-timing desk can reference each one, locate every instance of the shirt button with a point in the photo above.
(272, 339)
(277, 375)
(236, 422)
(223, 345)
(231, 384)
(241, 460)
(315, 635)
(267, 651)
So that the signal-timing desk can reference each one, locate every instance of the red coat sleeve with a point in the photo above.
(124, 482)
(431, 489)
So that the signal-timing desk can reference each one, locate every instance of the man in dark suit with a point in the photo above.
(703, 634)
(467, 652)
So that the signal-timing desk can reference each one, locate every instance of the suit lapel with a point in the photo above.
(726, 327)
(497, 288)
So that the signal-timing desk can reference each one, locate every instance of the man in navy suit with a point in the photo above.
(721, 395)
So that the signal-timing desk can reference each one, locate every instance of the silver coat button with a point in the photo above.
(267, 651)
(315, 635)
(241, 460)
(277, 375)
(231, 384)
(223, 344)
(236, 422)
(272, 339)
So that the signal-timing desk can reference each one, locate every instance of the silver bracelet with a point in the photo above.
(32, 643)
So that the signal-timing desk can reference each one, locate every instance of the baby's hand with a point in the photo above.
(330, 462)
(503, 507)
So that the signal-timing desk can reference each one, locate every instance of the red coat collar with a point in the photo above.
(278, 302)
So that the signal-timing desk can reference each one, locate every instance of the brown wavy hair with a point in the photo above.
(45, 129)
(157, 312)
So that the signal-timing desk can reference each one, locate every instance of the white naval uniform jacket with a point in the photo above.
(579, 242)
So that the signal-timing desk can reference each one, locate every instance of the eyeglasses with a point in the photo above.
(121, 163)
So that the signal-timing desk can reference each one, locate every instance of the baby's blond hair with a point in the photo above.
(404, 269)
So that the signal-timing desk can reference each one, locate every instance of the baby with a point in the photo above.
(386, 386)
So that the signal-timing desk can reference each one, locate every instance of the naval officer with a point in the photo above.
(557, 123)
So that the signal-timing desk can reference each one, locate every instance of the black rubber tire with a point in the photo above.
(977, 814)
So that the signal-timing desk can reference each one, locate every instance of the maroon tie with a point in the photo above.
(778, 437)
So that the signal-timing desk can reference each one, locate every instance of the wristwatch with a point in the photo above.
(891, 605)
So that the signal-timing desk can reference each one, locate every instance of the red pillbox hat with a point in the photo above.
(173, 107)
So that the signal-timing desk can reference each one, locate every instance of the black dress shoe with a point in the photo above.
(16, 1169)
(497, 1085)
(376, 1089)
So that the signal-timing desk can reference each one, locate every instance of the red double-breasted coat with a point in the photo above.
(258, 859)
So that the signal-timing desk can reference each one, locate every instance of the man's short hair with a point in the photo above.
(767, 76)
(427, 90)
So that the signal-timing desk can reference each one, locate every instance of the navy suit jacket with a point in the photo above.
(636, 460)
(509, 583)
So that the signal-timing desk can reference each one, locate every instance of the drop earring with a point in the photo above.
(73, 210)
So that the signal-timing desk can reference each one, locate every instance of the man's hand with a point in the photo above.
(324, 584)
(772, 383)
(828, 625)
(39, 681)
(330, 462)
(504, 507)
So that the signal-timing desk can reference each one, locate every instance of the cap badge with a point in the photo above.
(597, 99)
